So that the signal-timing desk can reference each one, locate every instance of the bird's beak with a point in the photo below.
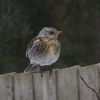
(58, 33)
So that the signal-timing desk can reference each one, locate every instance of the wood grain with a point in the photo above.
(6, 87)
(67, 84)
(23, 86)
(90, 76)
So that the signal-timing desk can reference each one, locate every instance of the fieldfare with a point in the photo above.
(44, 49)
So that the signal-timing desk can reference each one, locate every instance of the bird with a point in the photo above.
(44, 49)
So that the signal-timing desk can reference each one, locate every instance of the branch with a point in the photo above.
(93, 90)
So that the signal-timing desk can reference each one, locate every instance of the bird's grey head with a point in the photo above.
(49, 32)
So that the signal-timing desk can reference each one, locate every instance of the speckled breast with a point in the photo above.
(45, 52)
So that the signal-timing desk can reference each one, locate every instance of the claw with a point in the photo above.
(41, 71)
(50, 71)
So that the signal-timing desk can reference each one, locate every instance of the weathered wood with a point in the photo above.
(6, 87)
(23, 86)
(99, 79)
(50, 82)
(67, 84)
(45, 87)
(63, 84)
(90, 76)
(38, 87)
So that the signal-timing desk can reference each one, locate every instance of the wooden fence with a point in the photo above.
(75, 83)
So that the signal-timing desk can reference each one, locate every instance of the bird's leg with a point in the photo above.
(41, 71)
(34, 68)
(50, 71)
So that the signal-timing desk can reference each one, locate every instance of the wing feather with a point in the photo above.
(30, 45)
(39, 41)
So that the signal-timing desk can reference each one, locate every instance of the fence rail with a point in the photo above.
(75, 83)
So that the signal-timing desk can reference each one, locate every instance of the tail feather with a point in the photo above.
(29, 68)
(32, 67)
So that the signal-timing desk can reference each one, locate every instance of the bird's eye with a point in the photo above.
(51, 33)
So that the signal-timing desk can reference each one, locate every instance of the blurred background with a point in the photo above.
(21, 20)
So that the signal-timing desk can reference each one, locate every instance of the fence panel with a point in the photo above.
(90, 76)
(67, 84)
(6, 87)
(23, 86)
(75, 83)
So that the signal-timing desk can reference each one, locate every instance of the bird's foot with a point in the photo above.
(42, 71)
(35, 68)
(50, 71)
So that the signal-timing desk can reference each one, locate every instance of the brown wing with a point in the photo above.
(31, 43)
(41, 42)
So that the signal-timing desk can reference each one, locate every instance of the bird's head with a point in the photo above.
(49, 32)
